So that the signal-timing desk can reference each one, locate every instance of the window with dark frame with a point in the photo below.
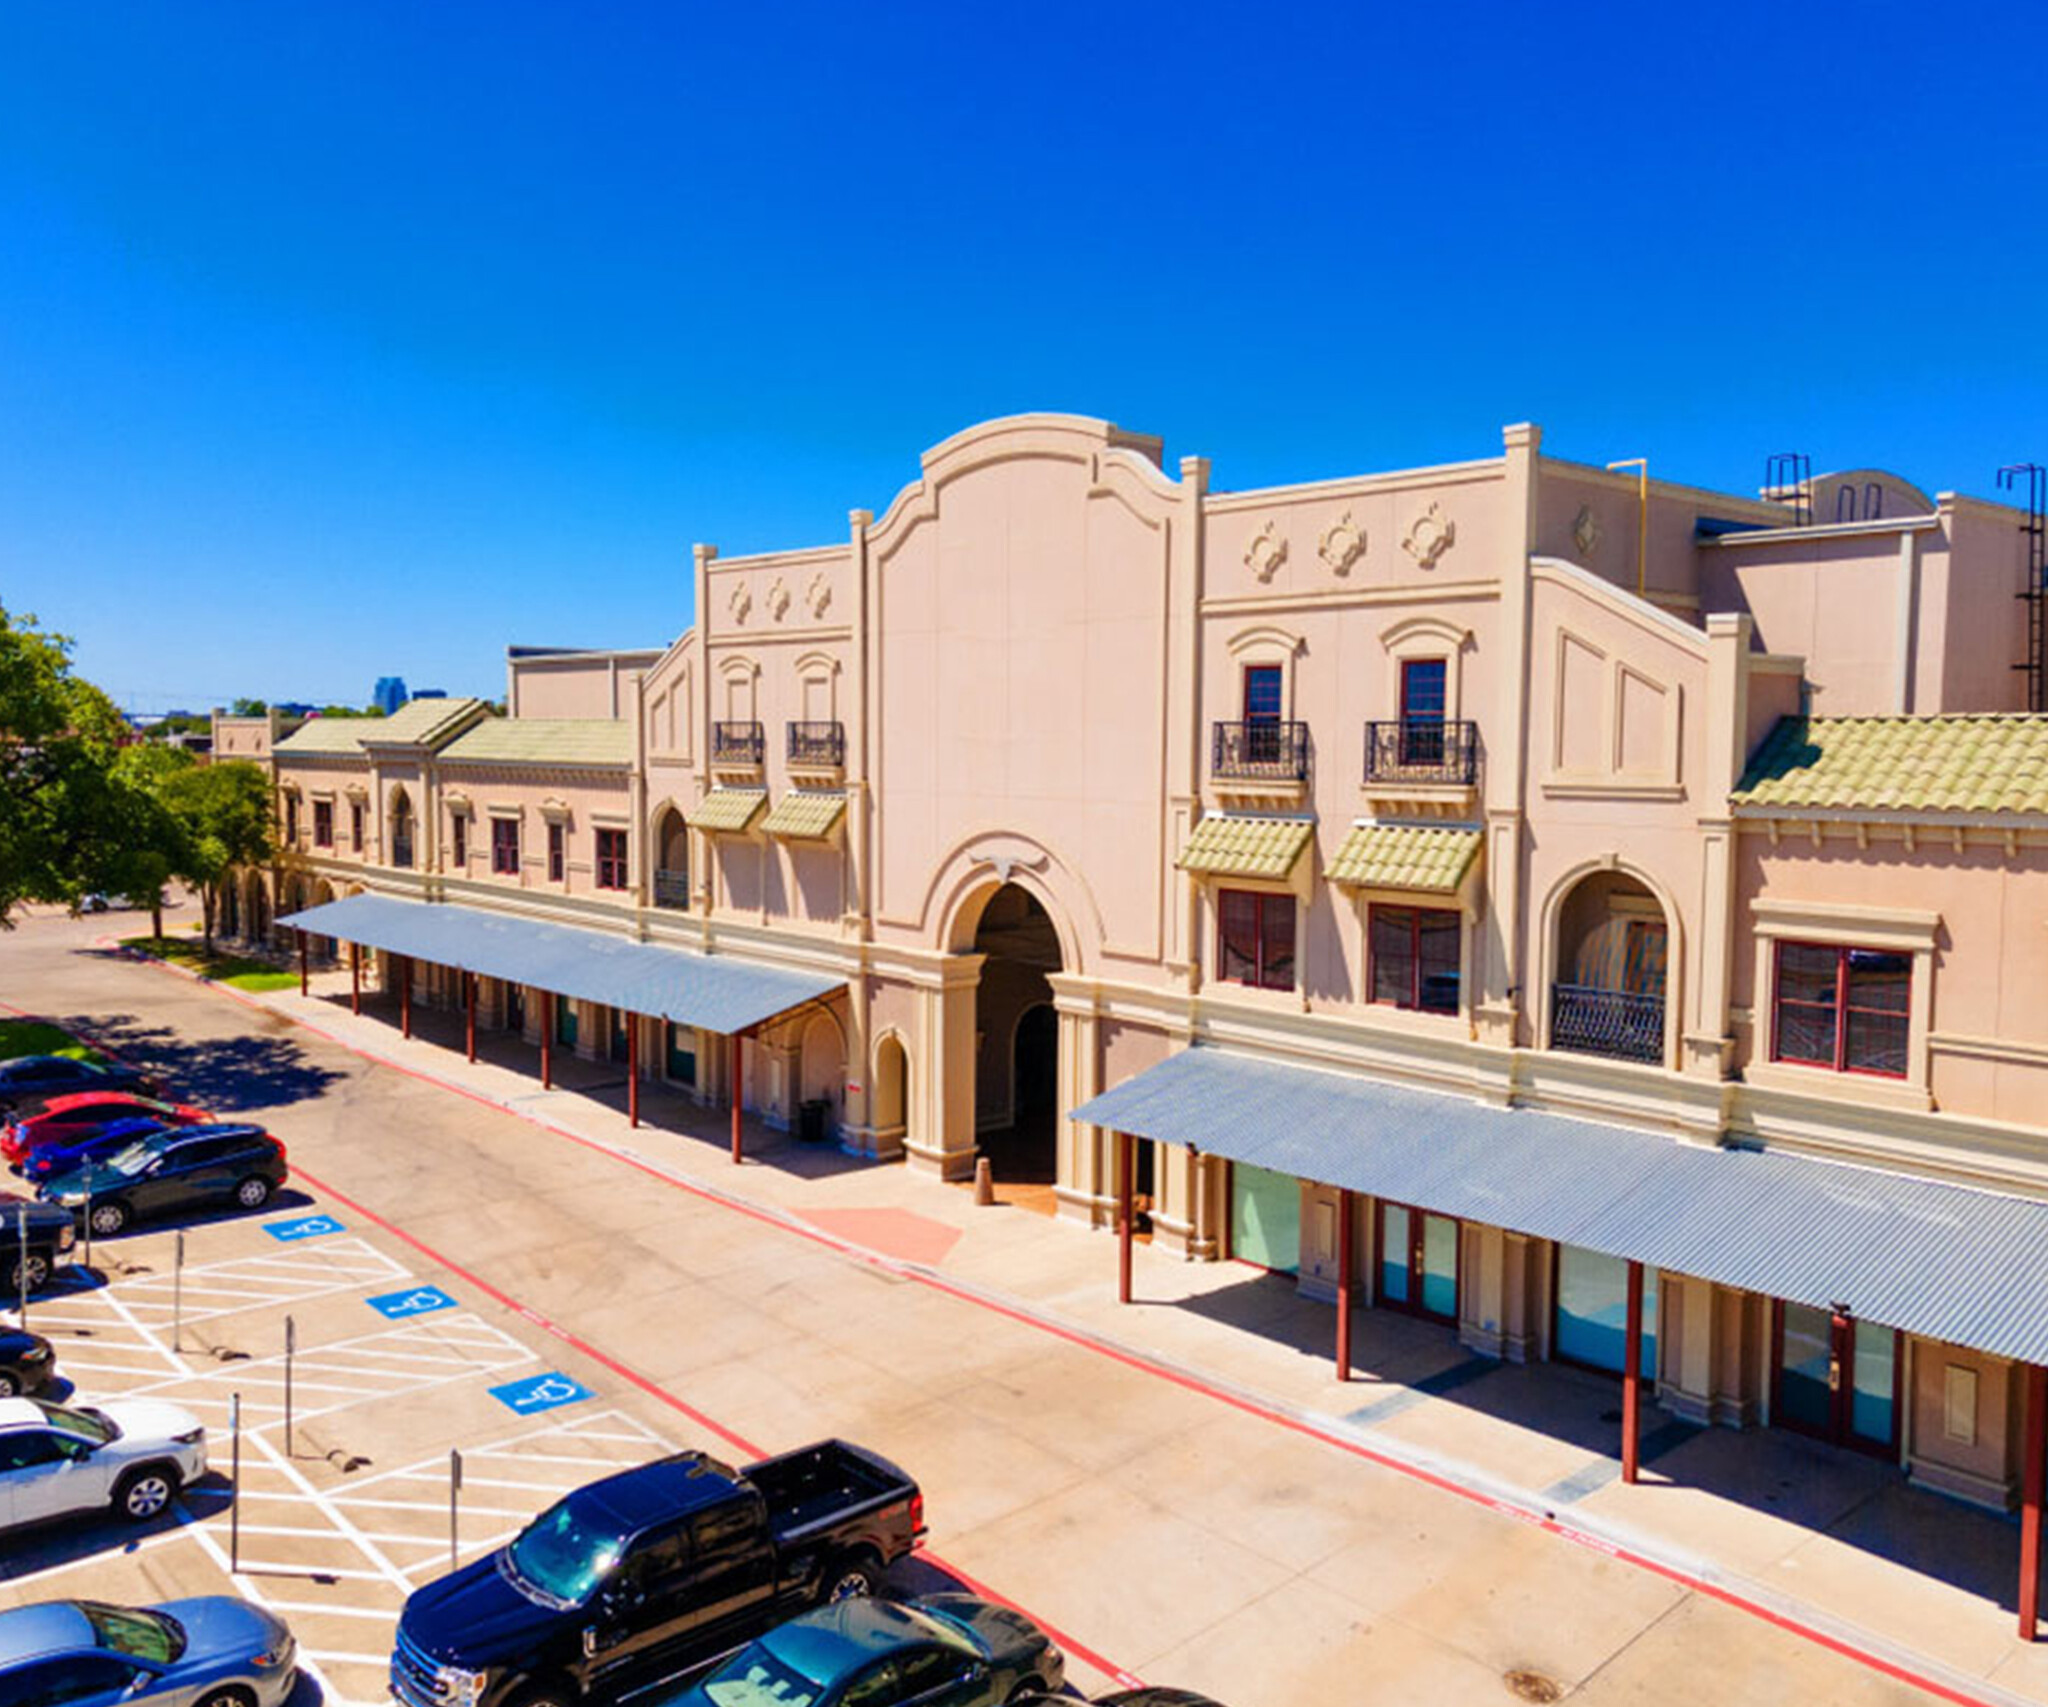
(505, 846)
(1424, 700)
(458, 838)
(355, 826)
(1846, 1009)
(611, 859)
(291, 817)
(1262, 697)
(1414, 957)
(323, 823)
(1255, 939)
(557, 856)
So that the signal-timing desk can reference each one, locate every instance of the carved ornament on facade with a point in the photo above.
(1586, 532)
(818, 595)
(1267, 551)
(778, 599)
(740, 602)
(1342, 544)
(1430, 535)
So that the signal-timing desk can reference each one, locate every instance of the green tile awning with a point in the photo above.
(729, 809)
(1405, 856)
(806, 813)
(1963, 764)
(1232, 846)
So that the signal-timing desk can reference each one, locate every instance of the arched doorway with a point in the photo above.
(1613, 946)
(821, 1077)
(891, 1100)
(401, 828)
(672, 861)
(1016, 1088)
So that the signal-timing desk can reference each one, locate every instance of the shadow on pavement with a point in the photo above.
(67, 1540)
(228, 1075)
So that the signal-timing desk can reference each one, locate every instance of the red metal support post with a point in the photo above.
(547, 1040)
(469, 1012)
(1346, 1280)
(355, 977)
(301, 935)
(1631, 1377)
(2031, 1474)
(1126, 1217)
(405, 996)
(632, 1069)
(734, 1075)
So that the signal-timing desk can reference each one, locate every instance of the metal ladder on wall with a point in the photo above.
(2035, 597)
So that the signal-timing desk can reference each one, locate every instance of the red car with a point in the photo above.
(74, 1116)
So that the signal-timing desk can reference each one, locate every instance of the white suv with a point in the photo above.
(132, 1456)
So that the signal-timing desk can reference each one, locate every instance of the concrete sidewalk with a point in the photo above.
(1838, 1545)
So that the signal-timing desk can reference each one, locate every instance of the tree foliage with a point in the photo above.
(226, 814)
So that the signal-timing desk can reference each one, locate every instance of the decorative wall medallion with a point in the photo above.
(1429, 536)
(818, 595)
(1586, 532)
(1342, 544)
(778, 599)
(1266, 552)
(740, 602)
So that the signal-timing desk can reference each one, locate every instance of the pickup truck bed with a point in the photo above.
(832, 1484)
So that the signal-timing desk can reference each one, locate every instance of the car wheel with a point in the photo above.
(226, 1697)
(850, 1579)
(145, 1493)
(10, 1384)
(253, 1192)
(547, 1695)
(38, 1267)
(109, 1219)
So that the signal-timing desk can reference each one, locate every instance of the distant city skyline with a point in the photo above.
(353, 341)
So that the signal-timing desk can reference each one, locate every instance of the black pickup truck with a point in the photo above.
(652, 1571)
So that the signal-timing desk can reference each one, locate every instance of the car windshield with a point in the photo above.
(139, 1634)
(92, 1425)
(566, 1551)
(756, 1678)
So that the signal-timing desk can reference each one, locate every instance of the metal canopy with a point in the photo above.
(1947, 1261)
(718, 992)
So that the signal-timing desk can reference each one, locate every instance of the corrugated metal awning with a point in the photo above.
(719, 992)
(1948, 1261)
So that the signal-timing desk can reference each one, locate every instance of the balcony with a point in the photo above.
(1422, 750)
(737, 744)
(1618, 1024)
(672, 889)
(817, 746)
(1273, 754)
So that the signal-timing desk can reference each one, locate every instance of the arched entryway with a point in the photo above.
(890, 1103)
(671, 861)
(821, 1077)
(1611, 959)
(1016, 1092)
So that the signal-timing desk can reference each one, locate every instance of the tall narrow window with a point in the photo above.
(557, 857)
(1844, 1008)
(1262, 713)
(458, 838)
(1255, 939)
(505, 846)
(355, 826)
(1415, 957)
(611, 859)
(291, 817)
(1423, 703)
(323, 823)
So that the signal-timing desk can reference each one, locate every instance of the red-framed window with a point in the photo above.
(291, 817)
(1848, 1009)
(611, 859)
(355, 825)
(323, 823)
(557, 852)
(1415, 957)
(458, 838)
(505, 846)
(1262, 693)
(1255, 939)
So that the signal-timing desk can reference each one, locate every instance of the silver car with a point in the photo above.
(214, 1651)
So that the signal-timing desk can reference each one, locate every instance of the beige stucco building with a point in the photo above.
(1514, 780)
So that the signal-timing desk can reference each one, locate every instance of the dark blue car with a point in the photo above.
(94, 1144)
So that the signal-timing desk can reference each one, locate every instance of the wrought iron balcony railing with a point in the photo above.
(737, 743)
(817, 743)
(1616, 1023)
(1260, 752)
(1422, 750)
(672, 889)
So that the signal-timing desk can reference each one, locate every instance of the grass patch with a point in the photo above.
(33, 1037)
(236, 969)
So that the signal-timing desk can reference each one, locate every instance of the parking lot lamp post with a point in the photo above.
(301, 935)
(2032, 1473)
(1632, 1377)
(1126, 1230)
(1345, 1281)
(633, 1069)
(469, 1011)
(547, 1040)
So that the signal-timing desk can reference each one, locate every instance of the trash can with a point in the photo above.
(814, 1120)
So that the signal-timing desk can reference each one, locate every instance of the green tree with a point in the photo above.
(248, 708)
(154, 844)
(59, 804)
(227, 818)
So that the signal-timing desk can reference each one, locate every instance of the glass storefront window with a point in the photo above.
(1393, 1254)
(1265, 1217)
(1592, 1310)
(1870, 1400)
(1440, 1265)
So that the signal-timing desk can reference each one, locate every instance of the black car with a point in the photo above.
(32, 1236)
(29, 1081)
(186, 1168)
(26, 1363)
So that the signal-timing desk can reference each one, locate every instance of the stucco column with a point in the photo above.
(1086, 1186)
(1706, 1040)
(941, 1138)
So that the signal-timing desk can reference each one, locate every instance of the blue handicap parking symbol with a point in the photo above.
(540, 1393)
(304, 1227)
(417, 1302)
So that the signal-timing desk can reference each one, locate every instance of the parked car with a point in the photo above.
(130, 1455)
(32, 1236)
(655, 1569)
(85, 1110)
(29, 1082)
(214, 1651)
(941, 1650)
(27, 1365)
(90, 1144)
(187, 1168)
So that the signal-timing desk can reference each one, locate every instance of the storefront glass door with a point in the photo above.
(1418, 1258)
(565, 1022)
(682, 1054)
(1836, 1378)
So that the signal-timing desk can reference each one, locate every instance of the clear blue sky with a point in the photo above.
(342, 339)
